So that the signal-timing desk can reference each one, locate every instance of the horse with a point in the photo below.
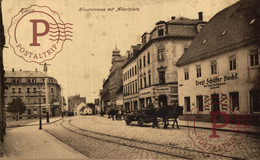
(113, 113)
(168, 112)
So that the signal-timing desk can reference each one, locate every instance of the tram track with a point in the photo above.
(163, 149)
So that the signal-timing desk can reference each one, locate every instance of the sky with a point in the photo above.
(85, 61)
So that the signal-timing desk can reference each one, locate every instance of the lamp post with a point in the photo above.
(46, 91)
(40, 110)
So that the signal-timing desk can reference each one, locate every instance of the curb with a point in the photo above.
(33, 124)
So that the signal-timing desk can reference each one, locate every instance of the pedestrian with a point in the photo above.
(155, 122)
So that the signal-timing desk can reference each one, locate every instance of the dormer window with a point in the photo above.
(160, 31)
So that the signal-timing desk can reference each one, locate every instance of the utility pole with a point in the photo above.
(2, 85)
(45, 69)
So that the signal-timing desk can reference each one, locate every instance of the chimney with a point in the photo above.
(200, 16)
(12, 69)
(35, 69)
(173, 17)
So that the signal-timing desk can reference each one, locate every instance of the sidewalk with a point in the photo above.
(30, 142)
(30, 122)
(228, 127)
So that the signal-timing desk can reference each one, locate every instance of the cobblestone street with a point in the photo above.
(99, 137)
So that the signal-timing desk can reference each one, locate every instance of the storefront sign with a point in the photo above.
(217, 81)
(162, 89)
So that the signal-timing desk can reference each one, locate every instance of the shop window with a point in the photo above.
(135, 105)
(232, 63)
(255, 100)
(187, 103)
(161, 54)
(160, 30)
(144, 61)
(254, 57)
(234, 100)
(161, 77)
(215, 102)
(148, 58)
(213, 67)
(199, 100)
(198, 69)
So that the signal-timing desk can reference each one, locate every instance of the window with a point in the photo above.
(130, 73)
(187, 103)
(144, 61)
(199, 100)
(19, 90)
(160, 54)
(149, 79)
(133, 88)
(28, 90)
(254, 57)
(160, 30)
(52, 90)
(145, 84)
(34, 100)
(34, 90)
(140, 63)
(136, 86)
(234, 100)
(198, 69)
(186, 75)
(255, 101)
(213, 67)
(148, 58)
(28, 100)
(185, 50)
(141, 83)
(130, 86)
(135, 70)
(162, 77)
(232, 63)
(13, 90)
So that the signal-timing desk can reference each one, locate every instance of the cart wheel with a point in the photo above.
(127, 120)
(140, 122)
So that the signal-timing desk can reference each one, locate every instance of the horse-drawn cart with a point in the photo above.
(146, 115)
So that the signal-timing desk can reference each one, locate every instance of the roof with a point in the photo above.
(32, 74)
(236, 26)
(185, 21)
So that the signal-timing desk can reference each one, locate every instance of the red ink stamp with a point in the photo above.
(37, 34)
(217, 140)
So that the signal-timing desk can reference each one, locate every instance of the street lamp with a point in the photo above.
(40, 110)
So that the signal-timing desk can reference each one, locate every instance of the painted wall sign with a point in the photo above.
(215, 82)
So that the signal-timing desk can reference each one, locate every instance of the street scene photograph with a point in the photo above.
(130, 79)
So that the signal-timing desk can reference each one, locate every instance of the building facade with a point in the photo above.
(160, 50)
(74, 101)
(130, 80)
(30, 87)
(105, 96)
(116, 81)
(220, 70)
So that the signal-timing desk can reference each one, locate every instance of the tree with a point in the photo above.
(16, 106)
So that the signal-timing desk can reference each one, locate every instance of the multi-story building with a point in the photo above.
(160, 50)
(130, 80)
(30, 87)
(220, 70)
(74, 101)
(116, 81)
(105, 98)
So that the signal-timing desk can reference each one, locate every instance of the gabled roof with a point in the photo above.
(231, 28)
(32, 74)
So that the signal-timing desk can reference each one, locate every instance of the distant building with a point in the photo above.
(160, 50)
(116, 81)
(26, 85)
(220, 71)
(78, 110)
(74, 101)
(130, 80)
(105, 96)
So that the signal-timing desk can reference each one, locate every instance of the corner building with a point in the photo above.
(160, 50)
(220, 70)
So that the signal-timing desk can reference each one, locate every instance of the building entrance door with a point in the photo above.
(215, 102)
(162, 99)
